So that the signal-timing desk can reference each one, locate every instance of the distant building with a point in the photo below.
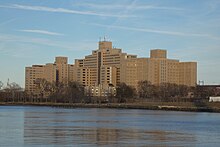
(99, 90)
(110, 66)
(214, 99)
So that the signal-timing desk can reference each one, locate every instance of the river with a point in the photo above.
(49, 126)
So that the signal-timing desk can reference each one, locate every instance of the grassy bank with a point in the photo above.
(168, 106)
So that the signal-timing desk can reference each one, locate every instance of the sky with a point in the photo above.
(35, 31)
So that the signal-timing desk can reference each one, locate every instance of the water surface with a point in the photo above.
(47, 126)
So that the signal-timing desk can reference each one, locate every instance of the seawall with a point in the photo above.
(163, 106)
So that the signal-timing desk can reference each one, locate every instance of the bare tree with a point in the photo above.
(124, 91)
(12, 88)
(71, 93)
(42, 85)
(145, 89)
(1, 85)
(75, 92)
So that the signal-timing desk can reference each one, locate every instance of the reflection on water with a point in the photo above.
(29, 126)
(103, 136)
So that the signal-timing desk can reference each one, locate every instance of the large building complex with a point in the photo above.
(107, 67)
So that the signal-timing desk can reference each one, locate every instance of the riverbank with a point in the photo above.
(168, 106)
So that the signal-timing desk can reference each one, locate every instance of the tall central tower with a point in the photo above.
(102, 67)
(104, 47)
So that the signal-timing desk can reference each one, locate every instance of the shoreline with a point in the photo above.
(164, 107)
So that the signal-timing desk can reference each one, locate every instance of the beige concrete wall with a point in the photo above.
(158, 53)
(134, 70)
(31, 75)
(103, 45)
(188, 73)
(50, 72)
(62, 71)
(61, 60)
(108, 75)
(71, 72)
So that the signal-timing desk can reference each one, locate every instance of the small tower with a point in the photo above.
(105, 44)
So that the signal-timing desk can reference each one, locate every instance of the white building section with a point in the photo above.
(214, 99)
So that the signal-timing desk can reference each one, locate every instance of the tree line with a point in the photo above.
(10, 92)
(166, 92)
(73, 92)
(163, 92)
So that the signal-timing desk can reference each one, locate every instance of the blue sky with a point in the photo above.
(35, 31)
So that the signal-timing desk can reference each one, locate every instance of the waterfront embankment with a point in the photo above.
(168, 106)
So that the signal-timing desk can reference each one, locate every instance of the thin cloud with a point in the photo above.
(61, 10)
(42, 32)
(7, 21)
(158, 31)
(120, 6)
(23, 39)
(79, 46)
